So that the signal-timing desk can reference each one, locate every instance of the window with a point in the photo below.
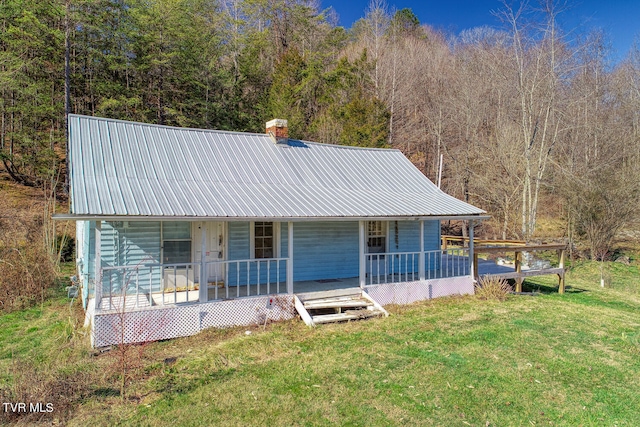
(376, 237)
(177, 252)
(264, 240)
(176, 242)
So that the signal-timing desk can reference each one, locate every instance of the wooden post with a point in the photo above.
(518, 263)
(204, 276)
(290, 257)
(561, 253)
(475, 274)
(421, 266)
(361, 246)
(97, 274)
(471, 252)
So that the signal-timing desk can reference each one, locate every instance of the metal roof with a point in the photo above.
(120, 168)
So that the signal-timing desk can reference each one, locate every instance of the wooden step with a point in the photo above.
(330, 307)
(346, 316)
(329, 300)
(336, 304)
(329, 294)
(339, 298)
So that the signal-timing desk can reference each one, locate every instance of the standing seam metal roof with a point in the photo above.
(136, 169)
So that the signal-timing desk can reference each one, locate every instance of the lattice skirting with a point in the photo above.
(409, 292)
(180, 321)
(160, 323)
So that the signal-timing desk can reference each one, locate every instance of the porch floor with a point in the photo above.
(221, 293)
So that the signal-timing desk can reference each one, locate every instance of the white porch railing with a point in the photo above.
(248, 277)
(396, 267)
(141, 285)
(144, 285)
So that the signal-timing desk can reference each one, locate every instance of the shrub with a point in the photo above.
(493, 287)
(26, 274)
(65, 246)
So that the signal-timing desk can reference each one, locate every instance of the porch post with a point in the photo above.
(290, 257)
(363, 261)
(421, 255)
(97, 274)
(471, 255)
(204, 279)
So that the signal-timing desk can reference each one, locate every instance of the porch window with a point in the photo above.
(264, 240)
(376, 237)
(176, 242)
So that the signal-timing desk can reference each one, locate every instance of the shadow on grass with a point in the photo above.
(175, 384)
(539, 288)
(104, 392)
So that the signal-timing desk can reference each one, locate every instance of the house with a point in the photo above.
(184, 229)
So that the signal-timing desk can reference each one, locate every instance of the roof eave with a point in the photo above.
(84, 217)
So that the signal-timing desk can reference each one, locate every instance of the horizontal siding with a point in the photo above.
(136, 243)
(241, 273)
(132, 244)
(284, 239)
(404, 236)
(238, 239)
(325, 250)
(90, 245)
(432, 243)
(431, 235)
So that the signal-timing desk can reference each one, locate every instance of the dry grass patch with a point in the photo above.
(493, 288)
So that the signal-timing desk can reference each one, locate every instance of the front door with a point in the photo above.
(214, 248)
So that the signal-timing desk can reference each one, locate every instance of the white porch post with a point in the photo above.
(204, 279)
(363, 261)
(471, 258)
(97, 291)
(421, 256)
(290, 257)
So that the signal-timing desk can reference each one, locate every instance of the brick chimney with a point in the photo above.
(278, 130)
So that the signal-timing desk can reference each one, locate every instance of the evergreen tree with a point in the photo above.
(31, 82)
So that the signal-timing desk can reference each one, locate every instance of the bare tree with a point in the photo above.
(540, 61)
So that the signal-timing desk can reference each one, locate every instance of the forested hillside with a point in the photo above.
(530, 118)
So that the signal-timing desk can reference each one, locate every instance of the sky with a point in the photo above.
(620, 19)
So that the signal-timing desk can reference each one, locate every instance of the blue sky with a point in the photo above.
(620, 19)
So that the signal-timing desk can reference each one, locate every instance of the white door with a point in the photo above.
(214, 248)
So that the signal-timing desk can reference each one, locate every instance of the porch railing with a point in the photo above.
(134, 286)
(143, 285)
(395, 267)
(248, 277)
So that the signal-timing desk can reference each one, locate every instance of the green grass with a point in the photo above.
(550, 359)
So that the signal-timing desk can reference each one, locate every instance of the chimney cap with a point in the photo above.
(277, 123)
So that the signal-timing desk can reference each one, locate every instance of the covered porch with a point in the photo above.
(152, 284)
